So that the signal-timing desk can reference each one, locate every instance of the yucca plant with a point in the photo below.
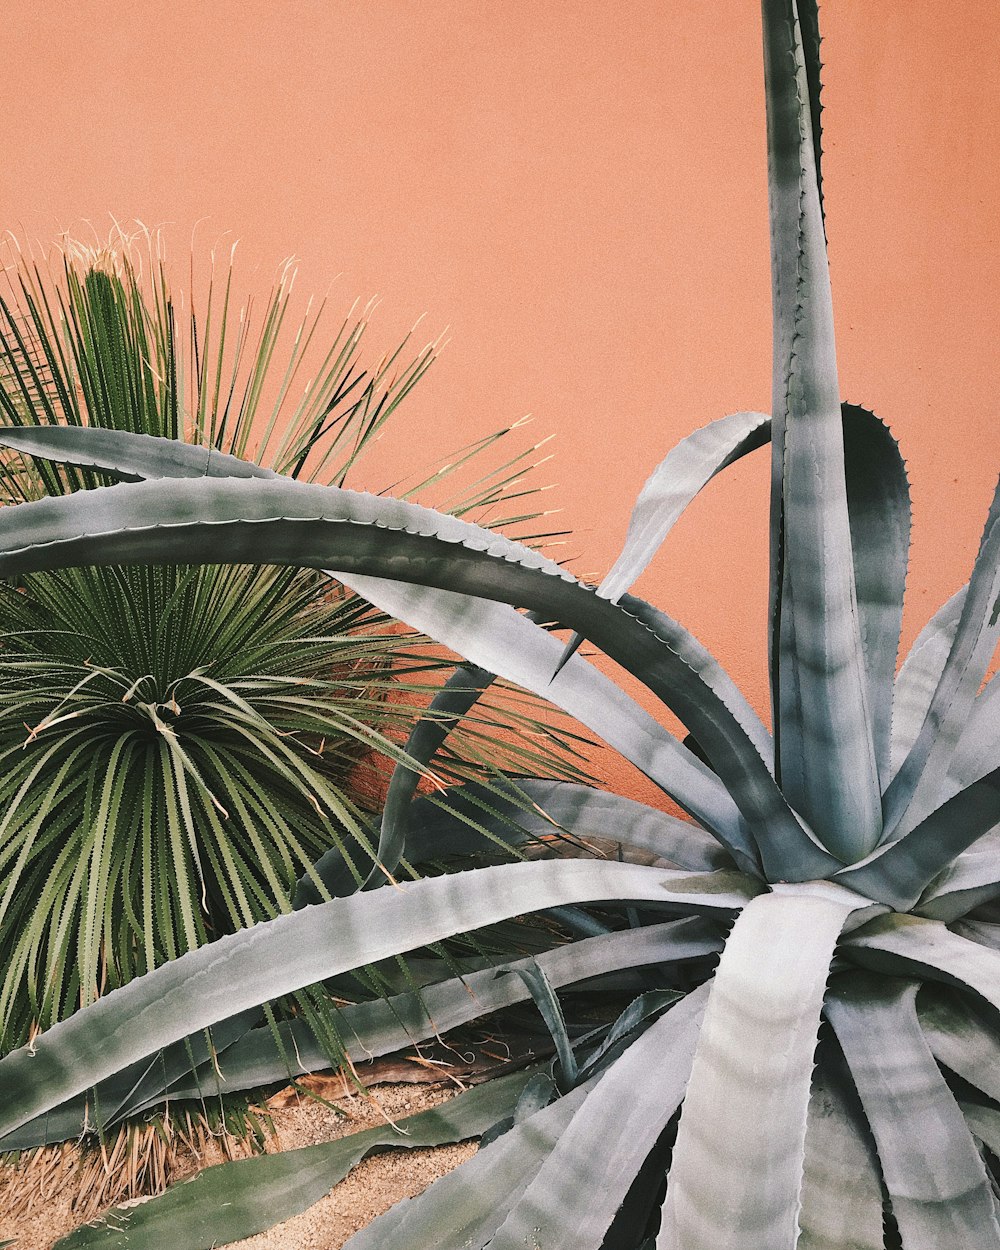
(176, 741)
(832, 1081)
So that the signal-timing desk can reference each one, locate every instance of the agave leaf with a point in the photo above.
(126, 456)
(154, 521)
(983, 1122)
(841, 1185)
(573, 1198)
(979, 744)
(878, 505)
(919, 675)
(502, 641)
(465, 1208)
(964, 884)
(131, 1089)
(959, 1040)
(750, 1081)
(264, 1055)
(673, 484)
(235, 1200)
(256, 965)
(456, 698)
(899, 872)
(915, 790)
(935, 1177)
(909, 946)
(539, 807)
(826, 756)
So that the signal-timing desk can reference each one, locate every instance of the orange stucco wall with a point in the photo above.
(578, 189)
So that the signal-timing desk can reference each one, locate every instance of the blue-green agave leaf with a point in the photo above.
(909, 946)
(916, 788)
(573, 1197)
(672, 485)
(540, 807)
(979, 744)
(878, 505)
(824, 739)
(465, 1208)
(959, 1040)
(919, 676)
(256, 965)
(128, 457)
(750, 1081)
(841, 1185)
(234, 1200)
(899, 872)
(934, 1175)
(964, 884)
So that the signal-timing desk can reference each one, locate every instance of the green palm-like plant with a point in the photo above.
(176, 740)
(833, 1081)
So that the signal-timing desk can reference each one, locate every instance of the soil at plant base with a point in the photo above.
(371, 1188)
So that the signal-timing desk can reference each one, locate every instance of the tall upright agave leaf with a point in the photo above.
(832, 1081)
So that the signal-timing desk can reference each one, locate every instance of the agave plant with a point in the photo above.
(831, 1081)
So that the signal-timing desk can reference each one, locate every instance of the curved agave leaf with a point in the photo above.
(826, 756)
(673, 484)
(263, 1055)
(919, 675)
(235, 1200)
(126, 456)
(256, 965)
(908, 946)
(899, 872)
(540, 807)
(460, 693)
(979, 744)
(501, 641)
(959, 1040)
(935, 1176)
(323, 527)
(465, 1208)
(841, 1185)
(967, 882)
(878, 506)
(750, 1081)
(577, 1190)
(915, 789)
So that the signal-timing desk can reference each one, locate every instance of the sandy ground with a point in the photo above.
(373, 1186)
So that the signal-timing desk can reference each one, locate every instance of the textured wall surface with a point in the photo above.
(578, 190)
